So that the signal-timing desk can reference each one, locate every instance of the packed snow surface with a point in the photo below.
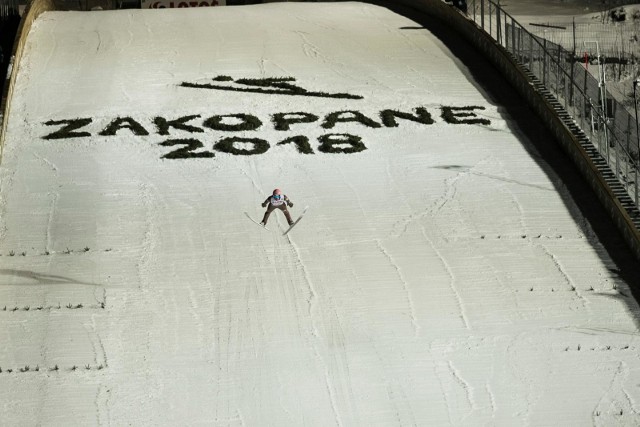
(441, 276)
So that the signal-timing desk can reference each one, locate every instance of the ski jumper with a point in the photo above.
(275, 202)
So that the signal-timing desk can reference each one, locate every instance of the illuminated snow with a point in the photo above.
(442, 276)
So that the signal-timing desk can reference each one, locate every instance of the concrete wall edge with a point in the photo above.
(34, 9)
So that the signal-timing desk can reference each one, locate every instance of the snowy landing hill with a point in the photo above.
(442, 275)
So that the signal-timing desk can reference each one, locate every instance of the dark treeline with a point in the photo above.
(9, 21)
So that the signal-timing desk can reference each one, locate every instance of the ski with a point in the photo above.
(256, 222)
(296, 221)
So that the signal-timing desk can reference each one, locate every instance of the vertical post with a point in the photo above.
(490, 18)
(498, 24)
(520, 35)
(585, 98)
(544, 61)
(558, 72)
(562, 81)
(567, 88)
(626, 162)
(616, 147)
(574, 36)
(636, 166)
(531, 53)
(599, 129)
(513, 35)
(506, 34)
(573, 62)
(474, 11)
(603, 102)
(482, 14)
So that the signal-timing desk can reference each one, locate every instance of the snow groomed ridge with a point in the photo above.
(443, 275)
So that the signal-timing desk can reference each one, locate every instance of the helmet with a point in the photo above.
(277, 191)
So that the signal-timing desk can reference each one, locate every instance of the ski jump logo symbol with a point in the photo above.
(273, 85)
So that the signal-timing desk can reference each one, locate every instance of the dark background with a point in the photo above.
(9, 21)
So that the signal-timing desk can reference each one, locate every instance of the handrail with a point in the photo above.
(582, 96)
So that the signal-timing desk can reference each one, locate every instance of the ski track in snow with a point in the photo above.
(523, 378)
(521, 215)
(103, 398)
(630, 400)
(145, 265)
(452, 281)
(7, 184)
(443, 390)
(54, 200)
(333, 333)
(468, 389)
(195, 310)
(565, 276)
(102, 394)
(309, 49)
(448, 195)
(52, 211)
(397, 188)
(312, 51)
(99, 40)
(356, 196)
(255, 184)
(150, 237)
(405, 288)
(449, 382)
(338, 364)
(606, 396)
(100, 355)
(312, 300)
(492, 400)
(332, 397)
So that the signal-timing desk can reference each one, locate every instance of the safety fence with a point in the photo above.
(579, 87)
(616, 40)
